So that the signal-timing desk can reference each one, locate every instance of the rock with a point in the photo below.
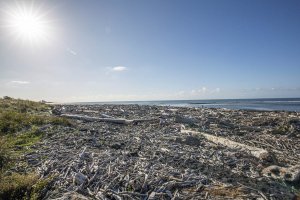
(192, 141)
(178, 139)
(291, 174)
(189, 140)
(56, 112)
(152, 196)
(84, 155)
(32, 161)
(133, 154)
(185, 120)
(100, 195)
(80, 178)
(117, 146)
(268, 157)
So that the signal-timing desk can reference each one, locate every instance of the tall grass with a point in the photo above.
(12, 121)
(4, 153)
(19, 127)
(17, 186)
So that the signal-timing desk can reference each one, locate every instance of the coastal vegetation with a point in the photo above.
(20, 129)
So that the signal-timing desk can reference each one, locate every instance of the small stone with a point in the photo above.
(80, 178)
(185, 120)
(117, 146)
(133, 154)
(152, 196)
(192, 141)
(178, 140)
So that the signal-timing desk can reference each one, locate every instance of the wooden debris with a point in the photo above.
(257, 152)
(107, 119)
(100, 158)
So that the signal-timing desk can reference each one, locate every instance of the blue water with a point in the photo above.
(273, 104)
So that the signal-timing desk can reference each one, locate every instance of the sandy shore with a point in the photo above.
(156, 160)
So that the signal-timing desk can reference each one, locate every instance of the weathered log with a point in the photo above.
(111, 120)
(106, 116)
(257, 152)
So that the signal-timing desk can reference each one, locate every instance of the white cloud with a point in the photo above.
(153, 95)
(216, 90)
(194, 92)
(20, 82)
(179, 94)
(269, 89)
(202, 90)
(119, 69)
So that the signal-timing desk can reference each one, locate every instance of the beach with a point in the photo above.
(149, 100)
(163, 152)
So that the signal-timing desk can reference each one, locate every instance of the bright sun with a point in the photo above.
(27, 24)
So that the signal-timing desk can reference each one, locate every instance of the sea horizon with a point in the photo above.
(262, 104)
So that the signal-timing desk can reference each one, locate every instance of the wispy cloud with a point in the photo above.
(202, 92)
(19, 82)
(270, 89)
(119, 68)
(74, 53)
(16, 83)
(114, 71)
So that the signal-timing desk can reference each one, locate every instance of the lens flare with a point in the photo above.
(28, 24)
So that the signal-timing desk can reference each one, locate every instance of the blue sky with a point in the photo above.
(150, 50)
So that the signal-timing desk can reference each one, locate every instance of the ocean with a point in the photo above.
(270, 104)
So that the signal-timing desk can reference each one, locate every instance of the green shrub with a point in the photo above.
(4, 152)
(37, 189)
(17, 186)
(60, 121)
(28, 138)
(12, 122)
(23, 106)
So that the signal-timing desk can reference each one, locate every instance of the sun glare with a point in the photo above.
(28, 24)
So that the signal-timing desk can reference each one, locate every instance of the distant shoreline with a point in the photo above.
(262, 104)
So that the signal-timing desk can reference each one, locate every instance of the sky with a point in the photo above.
(114, 50)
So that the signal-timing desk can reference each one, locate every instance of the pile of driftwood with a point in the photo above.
(151, 152)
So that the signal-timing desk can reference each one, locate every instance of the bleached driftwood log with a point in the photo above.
(257, 152)
(106, 116)
(111, 120)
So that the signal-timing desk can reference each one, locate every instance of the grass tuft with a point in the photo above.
(4, 152)
(17, 186)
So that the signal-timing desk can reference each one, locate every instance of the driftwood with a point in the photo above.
(111, 120)
(257, 152)
(152, 161)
